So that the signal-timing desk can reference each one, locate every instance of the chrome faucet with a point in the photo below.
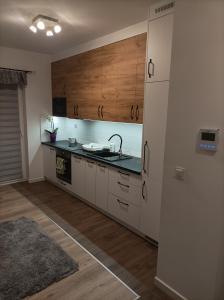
(120, 149)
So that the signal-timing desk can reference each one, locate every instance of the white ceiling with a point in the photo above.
(81, 20)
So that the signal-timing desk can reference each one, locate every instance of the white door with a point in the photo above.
(49, 158)
(155, 119)
(102, 186)
(160, 33)
(91, 181)
(78, 176)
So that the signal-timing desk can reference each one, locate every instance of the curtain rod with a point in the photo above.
(26, 71)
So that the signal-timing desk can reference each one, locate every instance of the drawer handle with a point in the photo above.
(123, 203)
(101, 166)
(125, 185)
(90, 162)
(122, 173)
(79, 158)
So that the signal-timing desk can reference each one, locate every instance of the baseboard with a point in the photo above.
(32, 180)
(168, 290)
(12, 182)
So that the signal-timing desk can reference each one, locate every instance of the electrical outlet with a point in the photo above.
(180, 173)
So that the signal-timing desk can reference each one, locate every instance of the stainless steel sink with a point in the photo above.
(110, 156)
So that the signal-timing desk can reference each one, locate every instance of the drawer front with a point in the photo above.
(64, 184)
(126, 191)
(124, 211)
(125, 177)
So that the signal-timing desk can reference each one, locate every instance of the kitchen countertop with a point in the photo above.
(132, 165)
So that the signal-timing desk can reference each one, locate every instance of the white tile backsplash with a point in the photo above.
(99, 131)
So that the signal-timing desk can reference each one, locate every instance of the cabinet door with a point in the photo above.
(159, 48)
(78, 176)
(124, 210)
(154, 131)
(91, 181)
(101, 186)
(85, 85)
(121, 63)
(58, 76)
(49, 158)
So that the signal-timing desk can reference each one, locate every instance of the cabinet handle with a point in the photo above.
(137, 113)
(150, 63)
(102, 111)
(79, 158)
(90, 162)
(101, 166)
(77, 110)
(132, 111)
(125, 185)
(146, 146)
(74, 109)
(143, 189)
(98, 111)
(121, 202)
(122, 173)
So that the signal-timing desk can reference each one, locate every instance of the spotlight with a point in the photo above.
(40, 25)
(33, 28)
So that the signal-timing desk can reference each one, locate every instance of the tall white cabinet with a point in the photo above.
(159, 50)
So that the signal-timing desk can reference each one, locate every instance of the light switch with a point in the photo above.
(180, 173)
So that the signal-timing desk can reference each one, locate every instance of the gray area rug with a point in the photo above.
(29, 260)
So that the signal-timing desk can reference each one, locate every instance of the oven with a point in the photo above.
(63, 165)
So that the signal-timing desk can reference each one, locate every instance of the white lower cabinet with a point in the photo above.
(125, 186)
(123, 210)
(78, 176)
(90, 178)
(49, 158)
(102, 175)
(125, 197)
(112, 190)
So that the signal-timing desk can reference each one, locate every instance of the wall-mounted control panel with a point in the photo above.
(208, 140)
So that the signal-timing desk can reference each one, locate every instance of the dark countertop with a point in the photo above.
(132, 165)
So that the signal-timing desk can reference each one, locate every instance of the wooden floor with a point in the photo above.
(92, 281)
(128, 256)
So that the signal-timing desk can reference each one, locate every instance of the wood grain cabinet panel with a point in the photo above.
(106, 83)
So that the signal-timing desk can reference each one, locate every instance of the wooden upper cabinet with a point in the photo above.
(106, 83)
(58, 79)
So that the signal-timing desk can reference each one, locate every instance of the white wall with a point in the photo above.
(99, 131)
(104, 40)
(37, 98)
(191, 241)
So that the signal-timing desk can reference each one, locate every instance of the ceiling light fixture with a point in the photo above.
(50, 25)
(49, 33)
(40, 25)
(33, 28)
(57, 28)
